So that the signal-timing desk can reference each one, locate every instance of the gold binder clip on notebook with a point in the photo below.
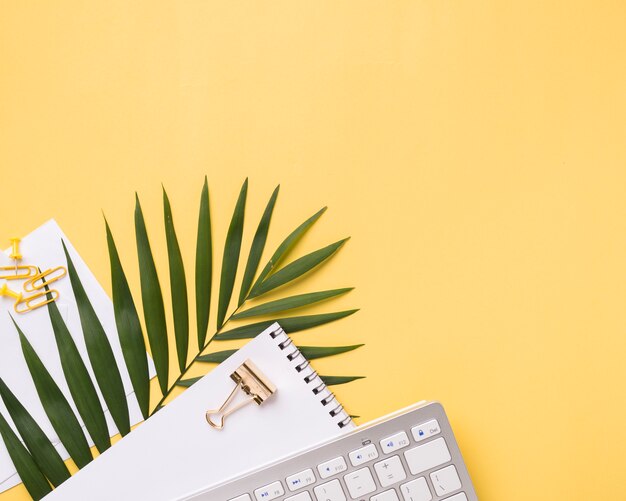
(252, 382)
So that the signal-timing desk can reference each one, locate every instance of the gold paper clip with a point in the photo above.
(35, 301)
(51, 275)
(252, 382)
(21, 272)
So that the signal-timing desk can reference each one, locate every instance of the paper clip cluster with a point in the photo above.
(33, 294)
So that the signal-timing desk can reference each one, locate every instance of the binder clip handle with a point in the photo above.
(216, 417)
(253, 383)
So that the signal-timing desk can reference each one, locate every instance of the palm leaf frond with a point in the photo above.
(290, 303)
(178, 286)
(100, 353)
(34, 481)
(284, 248)
(186, 383)
(79, 382)
(217, 357)
(45, 455)
(129, 329)
(256, 250)
(39, 464)
(309, 352)
(204, 266)
(56, 406)
(230, 261)
(289, 324)
(152, 299)
(336, 380)
(313, 352)
(298, 268)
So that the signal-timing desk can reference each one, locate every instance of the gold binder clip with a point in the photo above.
(51, 275)
(30, 303)
(252, 382)
(22, 272)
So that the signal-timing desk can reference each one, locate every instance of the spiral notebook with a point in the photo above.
(177, 452)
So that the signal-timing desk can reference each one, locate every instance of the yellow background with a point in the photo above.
(474, 151)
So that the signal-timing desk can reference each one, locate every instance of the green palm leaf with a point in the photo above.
(290, 303)
(186, 383)
(284, 248)
(45, 455)
(298, 268)
(313, 352)
(129, 329)
(34, 481)
(152, 299)
(336, 380)
(258, 245)
(79, 382)
(204, 267)
(232, 249)
(45, 461)
(178, 286)
(56, 406)
(217, 357)
(100, 353)
(310, 352)
(290, 324)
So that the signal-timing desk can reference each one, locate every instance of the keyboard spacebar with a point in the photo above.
(427, 456)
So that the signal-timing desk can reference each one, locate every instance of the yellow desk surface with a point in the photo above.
(474, 151)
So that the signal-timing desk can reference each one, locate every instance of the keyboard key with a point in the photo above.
(426, 430)
(330, 491)
(269, 492)
(445, 480)
(243, 497)
(332, 467)
(300, 480)
(363, 455)
(458, 497)
(394, 442)
(427, 456)
(390, 471)
(385, 496)
(303, 496)
(416, 490)
(360, 483)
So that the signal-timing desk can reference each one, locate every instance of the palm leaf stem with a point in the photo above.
(195, 359)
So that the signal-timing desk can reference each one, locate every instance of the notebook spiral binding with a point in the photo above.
(311, 377)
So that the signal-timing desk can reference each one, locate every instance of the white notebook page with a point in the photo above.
(176, 452)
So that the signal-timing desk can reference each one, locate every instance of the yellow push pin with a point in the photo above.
(6, 292)
(24, 304)
(15, 251)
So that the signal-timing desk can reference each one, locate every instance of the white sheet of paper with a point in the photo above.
(176, 453)
(43, 248)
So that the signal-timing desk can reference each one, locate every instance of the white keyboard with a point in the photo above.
(411, 455)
